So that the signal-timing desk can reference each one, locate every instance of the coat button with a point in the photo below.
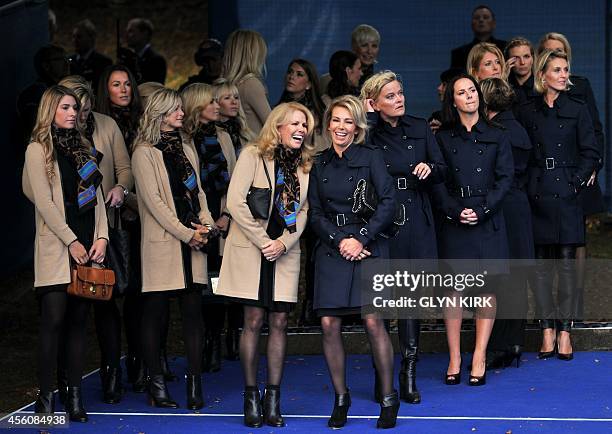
(480, 152)
(328, 255)
(404, 137)
(454, 151)
(456, 169)
(561, 126)
(537, 196)
(325, 179)
(478, 169)
(328, 200)
(557, 179)
(409, 200)
(385, 147)
(539, 145)
(556, 196)
(409, 146)
(388, 165)
(475, 140)
(350, 179)
(558, 145)
(350, 198)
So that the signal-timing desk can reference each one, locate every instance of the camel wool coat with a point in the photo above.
(254, 101)
(53, 235)
(162, 232)
(239, 275)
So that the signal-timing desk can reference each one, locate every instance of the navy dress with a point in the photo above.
(333, 180)
(480, 174)
(403, 147)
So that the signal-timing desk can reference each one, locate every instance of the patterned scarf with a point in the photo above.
(288, 184)
(90, 127)
(214, 173)
(171, 145)
(68, 142)
(123, 117)
(232, 127)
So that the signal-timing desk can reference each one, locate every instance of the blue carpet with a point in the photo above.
(562, 397)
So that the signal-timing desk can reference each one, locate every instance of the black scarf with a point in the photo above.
(68, 142)
(90, 127)
(214, 174)
(288, 184)
(232, 127)
(127, 125)
(171, 146)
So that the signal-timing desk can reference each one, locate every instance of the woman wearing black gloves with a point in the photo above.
(564, 158)
(344, 241)
(480, 173)
(414, 160)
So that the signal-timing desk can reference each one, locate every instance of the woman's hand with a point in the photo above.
(350, 249)
(115, 197)
(422, 171)
(510, 63)
(367, 105)
(468, 217)
(592, 179)
(97, 253)
(435, 125)
(78, 252)
(222, 223)
(273, 249)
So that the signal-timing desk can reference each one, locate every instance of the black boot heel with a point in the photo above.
(111, 386)
(194, 392)
(407, 380)
(45, 403)
(514, 352)
(271, 407)
(158, 393)
(388, 411)
(252, 407)
(339, 414)
(74, 405)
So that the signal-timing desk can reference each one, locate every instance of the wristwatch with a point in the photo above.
(125, 191)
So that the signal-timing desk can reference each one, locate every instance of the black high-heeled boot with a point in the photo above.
(513, 352)
(232, 344)
(388, 411)
(194, 392)
(45, 403)
(271, 407)
(339, 414)
(74, 405)
(158, 393)
(252, 407)
(111, 385)
(409, 330)
(165, 367)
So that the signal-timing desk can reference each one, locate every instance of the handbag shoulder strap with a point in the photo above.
(267, 174)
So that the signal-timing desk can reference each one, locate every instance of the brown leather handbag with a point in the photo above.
(91, 283)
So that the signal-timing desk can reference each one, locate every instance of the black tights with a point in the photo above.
(132, 320)
(62, 319)
(276, 349)
(108, 329)
(155, 307)
(382, 351)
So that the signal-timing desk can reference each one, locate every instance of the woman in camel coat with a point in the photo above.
(261, 260)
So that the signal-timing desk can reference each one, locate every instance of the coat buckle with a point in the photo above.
(550, 163)
(402, 183)
(465, 191)
(340, 220)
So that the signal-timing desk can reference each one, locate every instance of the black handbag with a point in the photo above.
(118, 254)
(258, 199)
(365, 201)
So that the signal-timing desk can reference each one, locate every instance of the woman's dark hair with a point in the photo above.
(103, 102)
(497, 94)
(312, 98)
(339, 84)
(450, 116)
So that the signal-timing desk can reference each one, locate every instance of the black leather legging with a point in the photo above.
(548, 310)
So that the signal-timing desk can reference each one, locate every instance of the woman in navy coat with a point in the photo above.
(508, 335)
(564, 158)
(344, 241)
(414, 160)
(480, 173)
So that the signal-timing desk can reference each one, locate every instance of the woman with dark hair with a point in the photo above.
(565, 156)
(345, 72)
(508, 335)
(414, 161)
(302, 86)
(344, 241)
(62, 179)
(480, 173)
(117, 181)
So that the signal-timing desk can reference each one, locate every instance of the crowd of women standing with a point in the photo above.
(212, 178)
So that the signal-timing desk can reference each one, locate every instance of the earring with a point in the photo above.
(455, 105)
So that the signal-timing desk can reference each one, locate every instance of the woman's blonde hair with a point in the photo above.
(477, 53)
(364, 33)
(245, 53)
(44, 120)
(224, 87)
(355, 108)
(542, 61)
(160, 104)
(269, 137)
(196, 97)
(81, 88)
(146, 89)
(372, 87)
(556, 37)
(497, 94)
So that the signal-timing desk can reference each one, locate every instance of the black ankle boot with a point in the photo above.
(194, 392)
(232, 344)
(339, 414)
(111, 386)
(388, 411)
(74, 405)
(407, 380)
(252, 407)
(62, 385)
(139, 384)
(158, 393)
(271, 407)
(45, 403)
(165, 367)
